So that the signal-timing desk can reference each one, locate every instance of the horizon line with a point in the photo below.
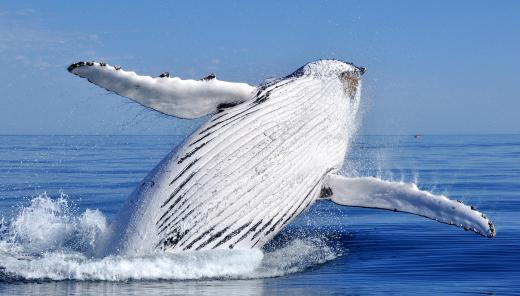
(367, 134)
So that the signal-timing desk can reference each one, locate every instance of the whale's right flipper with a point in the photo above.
(168, 95)
(368, 192)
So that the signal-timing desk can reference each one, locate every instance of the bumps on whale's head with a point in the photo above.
(328, 68)
(348, 73)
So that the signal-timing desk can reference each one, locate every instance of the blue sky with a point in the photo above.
(445, 67)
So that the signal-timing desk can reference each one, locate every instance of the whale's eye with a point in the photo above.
(350, 82)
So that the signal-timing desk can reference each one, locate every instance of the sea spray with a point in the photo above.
(53, 224)
(51, 240)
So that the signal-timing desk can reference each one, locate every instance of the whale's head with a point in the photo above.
(347, 73)
(329, 68)
(345, 76)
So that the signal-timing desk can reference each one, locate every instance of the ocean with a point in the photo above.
(58, 192)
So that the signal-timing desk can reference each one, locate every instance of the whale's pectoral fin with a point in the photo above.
(369, 192)
(168, 95)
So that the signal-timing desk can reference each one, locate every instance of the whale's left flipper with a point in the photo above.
(168, 95)
(369, 192)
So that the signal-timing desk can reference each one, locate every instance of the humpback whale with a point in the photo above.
(265, 154)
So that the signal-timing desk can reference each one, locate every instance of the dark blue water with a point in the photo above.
(344, 250)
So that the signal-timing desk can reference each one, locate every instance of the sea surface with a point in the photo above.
(57, 193)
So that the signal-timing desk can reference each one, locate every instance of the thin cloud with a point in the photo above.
(25, 40)
(25, 11)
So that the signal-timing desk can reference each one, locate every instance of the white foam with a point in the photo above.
(50, 240)
(47, 225)
(197, 265)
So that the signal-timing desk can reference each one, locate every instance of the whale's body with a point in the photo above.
(266, 155)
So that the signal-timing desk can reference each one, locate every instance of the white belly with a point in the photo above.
(243, 175)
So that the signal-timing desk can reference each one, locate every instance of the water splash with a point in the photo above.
(50, 239)
(53, 224)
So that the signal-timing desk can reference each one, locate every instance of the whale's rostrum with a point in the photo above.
(266, 154)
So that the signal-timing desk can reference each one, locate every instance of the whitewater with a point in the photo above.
(50, 239)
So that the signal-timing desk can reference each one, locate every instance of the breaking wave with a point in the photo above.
(51, 240)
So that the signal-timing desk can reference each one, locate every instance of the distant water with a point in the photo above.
(58, 192)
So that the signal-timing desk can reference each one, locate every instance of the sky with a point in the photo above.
(444, 67)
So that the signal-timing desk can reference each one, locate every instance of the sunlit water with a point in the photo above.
(57, 193)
